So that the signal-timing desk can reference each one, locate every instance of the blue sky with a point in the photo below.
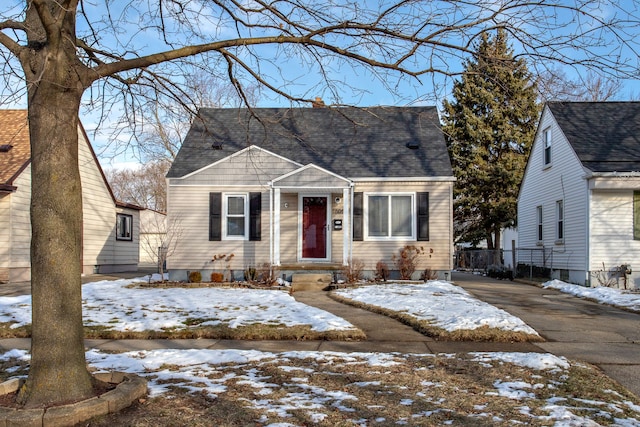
(354, 84)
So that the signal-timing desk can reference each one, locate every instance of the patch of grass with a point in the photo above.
(482, 334)
(12, 368)
(416, 390)
(6, 331)
(248, 332)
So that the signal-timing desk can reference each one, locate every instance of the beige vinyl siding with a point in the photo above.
(98, 221)
(98, 211)
(21, 222)
(289, 228)
(337, 240)
(438, 250)
(126, 252)
(312, 178)
(253, 167)
(612, 243)
(190, 205)
(5, 235)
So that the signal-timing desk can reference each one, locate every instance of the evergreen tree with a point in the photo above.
(490, 126)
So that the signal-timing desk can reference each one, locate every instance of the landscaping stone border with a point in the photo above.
(129, 388)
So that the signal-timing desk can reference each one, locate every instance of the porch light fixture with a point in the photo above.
(337, 200)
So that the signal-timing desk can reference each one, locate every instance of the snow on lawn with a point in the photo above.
(612, 296)
(112, 304)
(441, 303)
(289, 388)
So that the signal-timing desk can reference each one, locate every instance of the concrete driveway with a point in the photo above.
(572, 327)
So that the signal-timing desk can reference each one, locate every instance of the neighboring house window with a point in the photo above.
(539, 218)
(124, 227)
(547, 146)
(390, 216)
(235, 216)
(636, 215)
(560, 219)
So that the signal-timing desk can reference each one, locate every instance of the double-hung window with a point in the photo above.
(390, 216)
(539, 219)
(560, 220)
(547, 146)
(236, 220)
(124, 227)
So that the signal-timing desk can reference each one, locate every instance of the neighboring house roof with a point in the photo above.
(351, 142)
(15, 151)
(604, 135)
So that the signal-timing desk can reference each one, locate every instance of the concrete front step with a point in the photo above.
(310, 281)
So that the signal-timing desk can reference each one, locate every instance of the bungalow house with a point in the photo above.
(311, 189)
(579, 202)
(110, 228)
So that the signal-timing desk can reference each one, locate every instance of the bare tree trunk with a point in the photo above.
(497, 246)
(58, 371)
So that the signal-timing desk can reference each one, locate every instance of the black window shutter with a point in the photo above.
(215, 216)
(255, 209)
(423, 216)
(358, 217)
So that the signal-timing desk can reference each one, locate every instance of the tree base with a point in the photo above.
(128, 389)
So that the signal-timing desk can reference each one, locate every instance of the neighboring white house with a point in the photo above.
(110, 228)
(311, 189)
(580, 197)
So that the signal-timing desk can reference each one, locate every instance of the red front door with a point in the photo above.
(314, 227)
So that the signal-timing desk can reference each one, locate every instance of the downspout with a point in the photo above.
(270, 223)
(587, 233)
(351, 224)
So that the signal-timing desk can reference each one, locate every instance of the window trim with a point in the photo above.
(128, 226)
(546, 147)
(560, 228)
(389, 195)
(225, 216)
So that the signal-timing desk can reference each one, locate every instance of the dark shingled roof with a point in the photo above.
(604, 135)
(351, 142)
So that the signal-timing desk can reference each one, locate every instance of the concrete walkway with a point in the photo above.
(577, 329)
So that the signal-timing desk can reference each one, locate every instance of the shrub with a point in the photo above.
(267, 274)
(353, 270)
(407, 260)
(382, 271)
(195, 277)
(250, 274)
(217, 277)
(428, 274)
(499, 272)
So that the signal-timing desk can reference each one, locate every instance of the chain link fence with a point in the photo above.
(528, 263)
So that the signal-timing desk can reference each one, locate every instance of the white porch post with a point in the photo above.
(276, 227)
(346, 226)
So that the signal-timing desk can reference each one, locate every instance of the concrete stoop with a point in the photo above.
(129, 388)
(310, 281)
